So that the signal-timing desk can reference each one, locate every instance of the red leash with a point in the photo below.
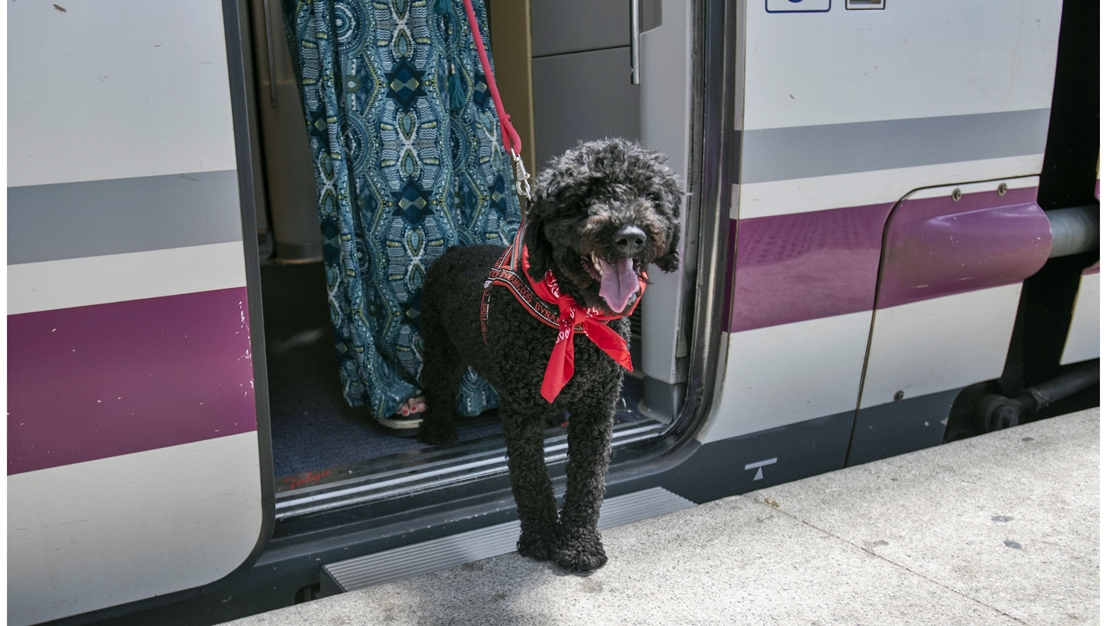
(509, 137)
(572, 318)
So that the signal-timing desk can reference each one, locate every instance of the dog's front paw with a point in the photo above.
(436, 433)
(580, 551)
(536, 545)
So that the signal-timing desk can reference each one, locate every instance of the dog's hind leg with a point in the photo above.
(442, 372)
(588, 435)
(535, 498)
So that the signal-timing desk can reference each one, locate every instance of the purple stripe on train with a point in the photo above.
(804, 266)
(92, 382)
(791, 268)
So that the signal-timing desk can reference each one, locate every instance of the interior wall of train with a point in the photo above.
(890, 241)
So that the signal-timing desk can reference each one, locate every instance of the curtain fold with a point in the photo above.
(408, 158)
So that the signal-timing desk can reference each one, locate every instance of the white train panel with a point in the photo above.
(92, 535)
(117, 89)
(1083, 336)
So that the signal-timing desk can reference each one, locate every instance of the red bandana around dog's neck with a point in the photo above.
(576, 318)
(572, 317)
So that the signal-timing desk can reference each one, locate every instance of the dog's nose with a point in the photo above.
(629, 240)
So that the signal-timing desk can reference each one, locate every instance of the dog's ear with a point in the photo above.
(541, 256)
(671, 197)
(669, 261)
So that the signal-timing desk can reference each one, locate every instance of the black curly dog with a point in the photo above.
(597, 205)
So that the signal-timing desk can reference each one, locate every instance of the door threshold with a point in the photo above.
(425, 470)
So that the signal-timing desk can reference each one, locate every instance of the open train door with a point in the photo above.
(138, 449)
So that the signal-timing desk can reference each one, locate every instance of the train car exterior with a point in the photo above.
(865, 230)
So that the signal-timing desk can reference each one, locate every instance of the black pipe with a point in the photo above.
(1061, 387)
(995, 412)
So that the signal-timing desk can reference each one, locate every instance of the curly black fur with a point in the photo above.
(582, 200)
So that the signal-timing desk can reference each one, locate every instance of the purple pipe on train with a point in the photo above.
(939, 246)
(805, 266)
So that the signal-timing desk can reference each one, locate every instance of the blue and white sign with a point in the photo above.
(798, 6)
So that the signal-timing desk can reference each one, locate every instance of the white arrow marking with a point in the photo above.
(758, 466)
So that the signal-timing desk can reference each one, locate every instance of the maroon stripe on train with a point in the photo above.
(939, 246)
(92, 382)
(1091, 270)
(805, 266)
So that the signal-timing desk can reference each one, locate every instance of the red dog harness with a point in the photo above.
(544, 300)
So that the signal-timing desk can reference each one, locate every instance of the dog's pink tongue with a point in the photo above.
(618, 283)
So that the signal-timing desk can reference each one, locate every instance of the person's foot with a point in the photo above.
(413, 406)
(406, 421)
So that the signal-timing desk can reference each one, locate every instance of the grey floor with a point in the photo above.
(998, 529)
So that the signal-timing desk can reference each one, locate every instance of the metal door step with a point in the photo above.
(434, 474)
(474, 545)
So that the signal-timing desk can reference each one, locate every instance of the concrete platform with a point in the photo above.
(999, 529)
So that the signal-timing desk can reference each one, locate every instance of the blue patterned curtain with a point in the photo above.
(408, 158)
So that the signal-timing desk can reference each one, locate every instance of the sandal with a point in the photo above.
(406, 421)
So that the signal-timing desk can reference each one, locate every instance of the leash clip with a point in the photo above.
(521, 176)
